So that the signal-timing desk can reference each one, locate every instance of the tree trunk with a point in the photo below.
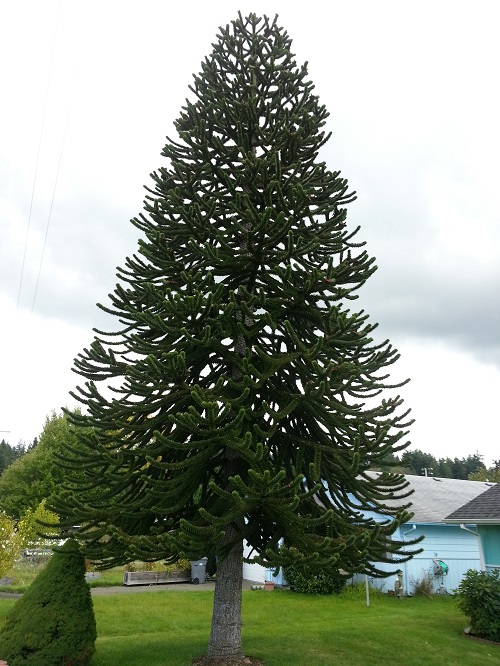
(225, 636)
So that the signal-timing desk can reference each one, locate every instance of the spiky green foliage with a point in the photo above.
(53, 623)
(246, 392)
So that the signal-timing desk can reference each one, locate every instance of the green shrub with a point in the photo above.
(159, 565)
(180, 565)
(307, 581)
(53, 623)
(9, 543)
(478, 597)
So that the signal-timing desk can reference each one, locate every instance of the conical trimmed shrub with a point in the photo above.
(53, 623)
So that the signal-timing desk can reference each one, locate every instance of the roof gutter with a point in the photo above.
(473, 521)
(479, 543)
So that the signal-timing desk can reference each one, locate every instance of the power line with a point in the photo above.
(51, 205)
(38, 156)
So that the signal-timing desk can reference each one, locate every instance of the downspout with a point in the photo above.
(479, 543)
(406, 588)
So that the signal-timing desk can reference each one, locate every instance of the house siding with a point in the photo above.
(490, 539)
(433, 500)
(254, 572)
(457, 548)
(257, 573)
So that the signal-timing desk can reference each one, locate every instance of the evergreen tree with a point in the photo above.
(445, 468)
(417, 462)
(245, 389)
(9, 454)
(491, 474)
(6, 456)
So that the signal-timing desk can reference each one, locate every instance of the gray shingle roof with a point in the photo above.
(484, 508)
(434, 499)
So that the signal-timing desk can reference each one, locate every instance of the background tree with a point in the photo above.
(444, 468)
(25, 534)
(414, 462)
(35, 475)
(9, 544)
(35, 528)
(491, 474)
(472, 464)
(9, 454)
(246, 394)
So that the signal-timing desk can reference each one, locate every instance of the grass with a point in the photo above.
(287, 629)
(108, 578)
(23, 574)
(25, 571)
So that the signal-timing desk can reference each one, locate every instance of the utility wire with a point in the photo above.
(74, 78)
(51, 204)
(38, 156)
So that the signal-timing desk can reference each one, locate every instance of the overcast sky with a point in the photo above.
(91, 89)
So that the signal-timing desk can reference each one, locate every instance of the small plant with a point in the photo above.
(131, 566)
(307, 581)
(159, 565)
(478, 597)
(357, 589)
(180, 565)
(423, 587)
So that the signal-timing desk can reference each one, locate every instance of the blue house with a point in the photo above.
(449, 550)
(484, 512)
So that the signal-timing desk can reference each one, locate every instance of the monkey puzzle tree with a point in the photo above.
(245, 390)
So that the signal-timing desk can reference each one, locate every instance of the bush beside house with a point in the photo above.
(306, 581)
(479, 599)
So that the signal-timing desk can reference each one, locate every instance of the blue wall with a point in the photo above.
(490, 539)
(457, 548)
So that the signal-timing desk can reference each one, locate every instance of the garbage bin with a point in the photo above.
(198, 568)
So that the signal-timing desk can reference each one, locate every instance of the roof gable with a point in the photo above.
(434, 498)
(485, 508)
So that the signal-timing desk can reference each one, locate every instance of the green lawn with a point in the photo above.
(24, 573)
(287, 629)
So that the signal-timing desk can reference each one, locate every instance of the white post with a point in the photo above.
(367, 591)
